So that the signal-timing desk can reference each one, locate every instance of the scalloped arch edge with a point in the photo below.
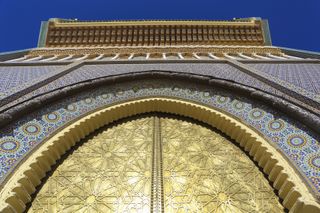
(19, 188)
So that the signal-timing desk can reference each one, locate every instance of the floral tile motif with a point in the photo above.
(292, 139)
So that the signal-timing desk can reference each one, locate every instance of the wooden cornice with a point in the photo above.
(64, 33)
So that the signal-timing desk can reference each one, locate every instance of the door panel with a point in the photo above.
(154, 163)
(205, 172)
(110, 172)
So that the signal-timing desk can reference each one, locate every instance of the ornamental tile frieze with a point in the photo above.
(295, 142)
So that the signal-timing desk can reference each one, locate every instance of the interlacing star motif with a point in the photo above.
(109, 173)
(202, 171)
(205, 172)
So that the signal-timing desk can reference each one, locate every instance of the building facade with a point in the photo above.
(159, 116)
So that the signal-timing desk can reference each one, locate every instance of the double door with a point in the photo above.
(156, 163)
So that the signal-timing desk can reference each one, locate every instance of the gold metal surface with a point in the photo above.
(157, 176)
(162, 164)
(109, 173)
(205, 172)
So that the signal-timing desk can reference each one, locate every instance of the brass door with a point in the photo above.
(156, 164)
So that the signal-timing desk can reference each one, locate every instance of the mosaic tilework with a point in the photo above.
(293, 140)
(87, 72)
(223, 71)
(13, 78)
(302, 75)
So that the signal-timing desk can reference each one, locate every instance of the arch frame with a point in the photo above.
(285, 179)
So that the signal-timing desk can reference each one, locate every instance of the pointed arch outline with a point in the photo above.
(285, 179)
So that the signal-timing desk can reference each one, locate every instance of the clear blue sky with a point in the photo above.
(293, 23)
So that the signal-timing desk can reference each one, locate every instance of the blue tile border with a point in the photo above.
(292, 139)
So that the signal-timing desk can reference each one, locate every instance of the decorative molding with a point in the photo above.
(63, 22)
(155, 49)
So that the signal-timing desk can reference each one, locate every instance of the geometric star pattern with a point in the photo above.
(205, 172)
(202, 172)
(108, 173)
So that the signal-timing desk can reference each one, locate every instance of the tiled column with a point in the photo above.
(196, 56)
(213, 56)
(244, 56)
(274, 56)
(180, 56)
(82, 58)
(17, 59)
(49, 59)
(259, 56)
(116, 56)
(66, 58)
(98, 57)
(33, 59)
